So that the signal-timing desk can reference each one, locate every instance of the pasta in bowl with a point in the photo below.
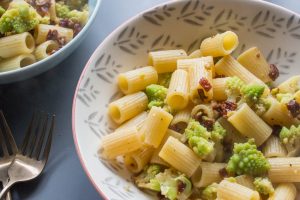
(33, 32)
(214, 116)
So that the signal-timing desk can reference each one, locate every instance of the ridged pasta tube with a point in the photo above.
(127, 107)
(219, 45)
(155, 126)
(178, 95)
(179, 156)
(253, 60)
(15, 45)
(16, 62)
(45, 49)
(274, 148)
(219, 86)
(136, 121)
(286, 191)
(246, 121)
(165, 61)
(137, 79)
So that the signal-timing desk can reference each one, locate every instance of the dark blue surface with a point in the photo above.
(53, 92)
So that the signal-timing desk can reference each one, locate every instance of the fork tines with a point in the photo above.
(8, 145)
(37, 141)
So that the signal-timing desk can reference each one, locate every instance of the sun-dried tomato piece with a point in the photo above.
(205, 84)
(294, 108)
(274, 72)
(223, 173)
(224, 107)
(181, 186)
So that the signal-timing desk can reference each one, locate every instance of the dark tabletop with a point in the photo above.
(63, 178)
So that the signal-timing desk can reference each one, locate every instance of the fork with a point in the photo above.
(9, 150)
(31, 159)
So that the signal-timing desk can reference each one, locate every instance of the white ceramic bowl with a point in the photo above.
(53, 60)
(176, 24)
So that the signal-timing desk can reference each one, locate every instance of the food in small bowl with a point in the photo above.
(32, 30)
(193, 99)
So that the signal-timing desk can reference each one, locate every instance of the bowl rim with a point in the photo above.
(100, 46)
(80, 34)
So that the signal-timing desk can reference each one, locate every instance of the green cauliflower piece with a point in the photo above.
(145, 179)
(170, 183)
(263, 185)
(19, 18)
(290, 135)
(156, 95)
(198, 138)
(210, 192)
(218, 133)
(76, 4)
(2, 10)
(262, 106)
(246, 159)
(65, 12)
(233, 88)
(252, 92)
(164, 79)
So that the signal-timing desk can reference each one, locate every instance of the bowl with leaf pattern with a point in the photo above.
(178, 24)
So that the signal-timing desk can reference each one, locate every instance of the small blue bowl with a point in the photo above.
(47, 63)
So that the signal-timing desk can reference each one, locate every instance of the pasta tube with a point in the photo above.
(286, 191)
(46, 49)
(181, 119)
(15, 45)
(274, 148)
(137, 122)
(127, 107)
(155, 157)
(284, 170)
(156, 125)
(200, 75)
(207, 173)
(219, 45)
(179, 156)
(42, 30)
(229, 191)
(196, 54)
(253, 60)
(245, 180)
(228, 66)
(186, 63)
(137, 160)
(246, 121)
(16, 62)
(166, 61)
(120, 143)
(219, 86)
(277, 114)
(178, 96)
(289, 86)
(137, 79)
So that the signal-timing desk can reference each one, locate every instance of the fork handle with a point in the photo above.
(6, 188)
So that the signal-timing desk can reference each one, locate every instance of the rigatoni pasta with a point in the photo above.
(16, 62)
(206, 131)
(179, 156)
(165, 61)
(178, 94)
(137, 79)
(127, 107)
(46, 49)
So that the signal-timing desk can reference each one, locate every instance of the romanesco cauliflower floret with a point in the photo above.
(198, 138)
(210, 192)
(252, 92)
(64, 11)
(170, 183)
(246, 159)
(262, 106)
(143, 180)
(76, 4)
(218, 132)
(263, 185)
(19, 18)
(290, 136)
(156, 95)
(233, 88)
(164, 79)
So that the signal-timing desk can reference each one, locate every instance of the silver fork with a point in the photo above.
(33, 155)
(9, 150)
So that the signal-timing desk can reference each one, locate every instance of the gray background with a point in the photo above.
(53, 92)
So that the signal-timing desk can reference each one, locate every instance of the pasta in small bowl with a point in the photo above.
(36, 35)
(202, 103)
